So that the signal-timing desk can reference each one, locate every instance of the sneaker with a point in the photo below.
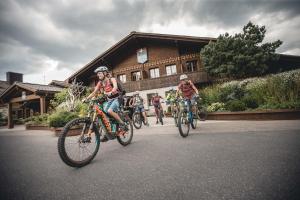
(104, 139)
(123, 127)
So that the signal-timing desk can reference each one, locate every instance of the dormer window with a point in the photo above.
(142, 55)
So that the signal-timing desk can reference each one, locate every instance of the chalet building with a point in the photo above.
(149, 63)
(21, 100)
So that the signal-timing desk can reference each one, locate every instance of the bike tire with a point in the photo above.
(130, 131)
(161, 117)
(194, 124)
(183, 121)
(202, 114)
(176, 121)
(62, 148)
(136, 120)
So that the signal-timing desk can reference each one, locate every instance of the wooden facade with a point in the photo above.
(163, 51)
(25, 99)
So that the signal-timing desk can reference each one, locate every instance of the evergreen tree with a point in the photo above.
(239, 56)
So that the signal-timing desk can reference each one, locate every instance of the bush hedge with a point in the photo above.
(61, 118)
(276, 91)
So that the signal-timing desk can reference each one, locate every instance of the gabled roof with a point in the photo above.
(3, 86)
(59, 83)
(35, 88)
(139, 35)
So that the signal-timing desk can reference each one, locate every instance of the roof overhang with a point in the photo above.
(138, 36)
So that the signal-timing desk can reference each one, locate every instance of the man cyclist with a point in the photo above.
(188, 90)
(138, 102)
(108, 86)
(157, 105)
(171, 98)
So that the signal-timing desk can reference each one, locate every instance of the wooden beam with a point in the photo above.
(42, 105)
(28, 97)
(10, 123)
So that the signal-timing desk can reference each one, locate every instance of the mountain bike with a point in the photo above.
(80, 139)
(187, 118)
(159, 113)
(175, 110)
(138, 119)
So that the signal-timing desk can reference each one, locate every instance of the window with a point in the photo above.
(191, 66)
(149, 97)
(171, 69)
(136, 76)
(122, 78)
(154, 73)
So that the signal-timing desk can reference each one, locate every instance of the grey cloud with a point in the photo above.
(75, 32)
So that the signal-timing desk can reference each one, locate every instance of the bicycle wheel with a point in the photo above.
(175, 118)
(161, 117)
(137, 121)
(125, 137)
(194, 122)
(75, 148)
(183, 123)
(202, 114)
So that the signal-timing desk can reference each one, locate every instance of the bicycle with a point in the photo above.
(138, 119)
(187, 118)
(159, 113)
(80, 139)
(175, 110)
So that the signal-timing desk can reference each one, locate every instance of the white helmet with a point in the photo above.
(101, 69)
(183, 77)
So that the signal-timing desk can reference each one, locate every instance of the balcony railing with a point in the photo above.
(164, 81)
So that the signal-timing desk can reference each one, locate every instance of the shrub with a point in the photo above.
(37, 120)
(235, 105)
(61, 118)
(250, 101)
(216, 107)
(81, 108)
(210, 94)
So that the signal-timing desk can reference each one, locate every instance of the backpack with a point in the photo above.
(119, 85)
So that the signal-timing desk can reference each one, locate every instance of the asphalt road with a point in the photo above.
(218, 160)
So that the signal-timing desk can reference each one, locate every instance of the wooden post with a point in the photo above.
(42, 105)
(10, 123)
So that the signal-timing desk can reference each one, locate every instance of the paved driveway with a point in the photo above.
(218, 160)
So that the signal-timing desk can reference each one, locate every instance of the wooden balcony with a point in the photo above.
(164, 81)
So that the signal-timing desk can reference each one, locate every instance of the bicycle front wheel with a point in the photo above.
(75, 147)
(137, 121)
(183, 123)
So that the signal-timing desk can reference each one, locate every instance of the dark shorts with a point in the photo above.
(139, 108)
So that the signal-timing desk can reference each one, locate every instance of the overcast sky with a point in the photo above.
(51, 39)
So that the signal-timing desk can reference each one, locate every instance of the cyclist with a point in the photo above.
(171, 99)
(157, 105)
(108, 85)
(138, 102)
(188, 90)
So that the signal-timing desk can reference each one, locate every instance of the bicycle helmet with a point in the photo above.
(101, 69)
(183, 77)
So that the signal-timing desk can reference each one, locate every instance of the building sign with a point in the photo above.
(142, 56)
(23, 95)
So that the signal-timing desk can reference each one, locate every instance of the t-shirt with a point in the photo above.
(156, 100)
(187, 89)
(107, 87)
